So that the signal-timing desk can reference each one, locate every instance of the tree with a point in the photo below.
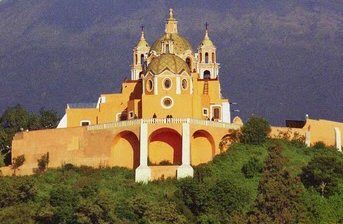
(255, 131)
(17, 162)
(278, 200)
(15, 119)
(48, 118)
(323, 173)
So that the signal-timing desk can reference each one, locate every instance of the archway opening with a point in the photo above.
(206, 57)
(207, 74)
(202, 147)
(142, 59)
(125, 150)
(165, 147)
(188, 62)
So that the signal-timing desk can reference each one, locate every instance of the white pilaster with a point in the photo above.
(178, 85)
(226, 113)
(155, 85)
(185, 170)
(308, 138)
(338, 137)
(143, 172)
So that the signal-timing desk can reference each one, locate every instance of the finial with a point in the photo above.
(206, 30)
(171, 14)
(142, 30)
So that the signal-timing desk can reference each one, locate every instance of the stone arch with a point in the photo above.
(125, 150)
(202, 147)
(165, 144)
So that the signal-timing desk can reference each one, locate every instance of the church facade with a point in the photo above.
(168, 117)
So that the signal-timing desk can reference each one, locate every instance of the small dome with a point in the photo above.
(142, 43)
(169, 62)
(207, 42)
(180, 45)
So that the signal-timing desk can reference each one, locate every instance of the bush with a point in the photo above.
(43, 163)
(18, 162)
(319, 145)
(255, 131)
(252, 167)
(323, 173)
(165, 163)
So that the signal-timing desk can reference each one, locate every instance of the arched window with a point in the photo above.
(136, 59)
(200, 57)
(213, 58)
(188, 61)
(167, 48)
(207, 74)
(142, 59)
(206, 57)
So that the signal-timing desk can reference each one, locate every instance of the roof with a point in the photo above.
(295, 123)
(180, 45)
(170, 62)
(81, 105)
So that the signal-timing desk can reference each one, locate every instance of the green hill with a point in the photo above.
(246, 184)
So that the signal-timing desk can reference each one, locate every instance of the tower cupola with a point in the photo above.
(208, 68)
(171, 25)
(140, 54)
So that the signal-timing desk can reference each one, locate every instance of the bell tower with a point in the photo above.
(140, 54)
(208, 68)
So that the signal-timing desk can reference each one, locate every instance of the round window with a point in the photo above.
(184, 84)
(167, 83)
(149, 85)
(167, 102)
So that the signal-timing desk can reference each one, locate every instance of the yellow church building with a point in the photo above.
(168, 117)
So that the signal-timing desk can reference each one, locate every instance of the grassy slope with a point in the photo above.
(119, 186)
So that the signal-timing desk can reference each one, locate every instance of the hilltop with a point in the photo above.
(227, 189)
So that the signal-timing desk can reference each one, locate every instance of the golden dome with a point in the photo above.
(180, 44)
(169, 62)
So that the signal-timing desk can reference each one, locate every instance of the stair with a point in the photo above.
(205, 87)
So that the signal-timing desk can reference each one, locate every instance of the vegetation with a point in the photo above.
(255, 131)
(16, 119)
(222, 191)
(258, 181)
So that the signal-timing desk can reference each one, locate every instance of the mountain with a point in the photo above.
(280, 59)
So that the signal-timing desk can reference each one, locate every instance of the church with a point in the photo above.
(168, 117)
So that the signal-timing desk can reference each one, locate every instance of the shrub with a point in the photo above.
(165, 163)
(43, 163)
(319, 145)
(18, 162)
(323, 173)
(227, 196)
(255, 131)
(252, 167)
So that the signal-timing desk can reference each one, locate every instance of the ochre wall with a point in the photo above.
(112, 146)
(319, 130)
